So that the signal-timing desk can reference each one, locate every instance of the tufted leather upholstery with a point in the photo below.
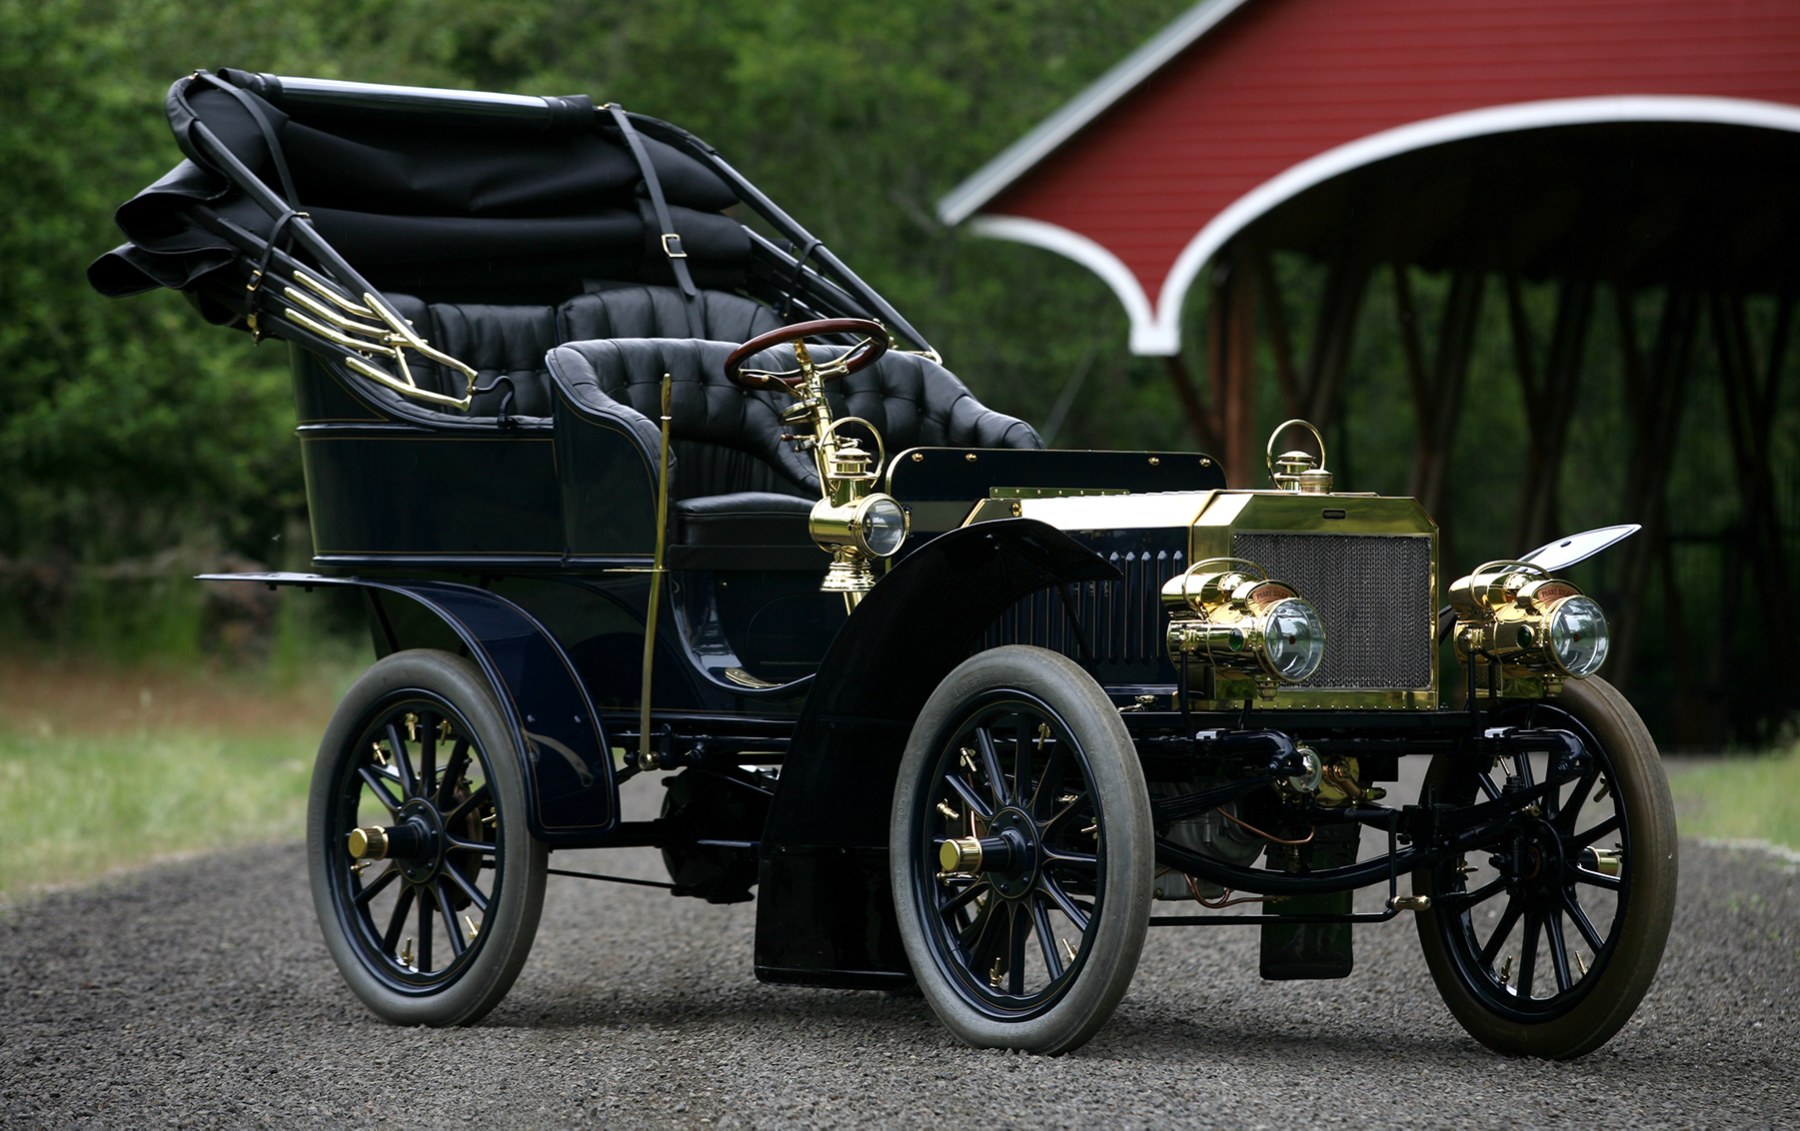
(511, 341)
(727, 439)
(736, 481)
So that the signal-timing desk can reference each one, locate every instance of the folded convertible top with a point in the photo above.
(449, 196)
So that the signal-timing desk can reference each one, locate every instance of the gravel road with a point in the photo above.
(198, 993)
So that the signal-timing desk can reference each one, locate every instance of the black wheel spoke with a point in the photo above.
(1570, 813)
(1587, 837)
(976, 936)
(1049, 781)
(1464, 900)
(1021, 762)
(470, 892)
(1598, 880)
(1018, 931)
(409, 782)
(1528, 953)
(1050, 887)
(964, 897)
(970, 796)
(478, 847)
(375, 887)
(390, 942)
(1579, 916)
(377, 782)
(447, 915)
(428, 779)
(1040, 919)
(1086, 862)
(459, 814)
(990, 762)
(454, 770)
(1502, 930)
(426, 909)
(1075, 805)
(1559, 952)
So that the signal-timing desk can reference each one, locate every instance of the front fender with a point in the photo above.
(825, 914)
(559, 739)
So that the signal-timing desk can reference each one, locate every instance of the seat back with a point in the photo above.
(618, 343)
(728, 439)
(511, 341)
(915, 402)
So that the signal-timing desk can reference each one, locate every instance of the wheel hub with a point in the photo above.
(1008, 857)
(415, 843)
(1535, 862)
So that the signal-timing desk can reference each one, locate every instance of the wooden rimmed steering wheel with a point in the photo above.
(862, 355)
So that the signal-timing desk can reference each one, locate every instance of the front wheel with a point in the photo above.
(425, 877)
(1022, 852)
(1544, 941)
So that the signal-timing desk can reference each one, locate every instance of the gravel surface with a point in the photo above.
(199, 994)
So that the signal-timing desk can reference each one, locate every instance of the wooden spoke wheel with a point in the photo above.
(425, 877)
(1022, 852)
(1544, 940)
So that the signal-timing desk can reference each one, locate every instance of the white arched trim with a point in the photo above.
(1146, 336)
(1158, 332)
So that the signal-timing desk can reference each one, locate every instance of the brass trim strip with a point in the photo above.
(646, 759)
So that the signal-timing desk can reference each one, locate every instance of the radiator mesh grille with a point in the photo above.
(1374, 594)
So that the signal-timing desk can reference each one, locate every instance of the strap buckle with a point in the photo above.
(671, 245)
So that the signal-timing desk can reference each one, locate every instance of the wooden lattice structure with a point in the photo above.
(1605, 173)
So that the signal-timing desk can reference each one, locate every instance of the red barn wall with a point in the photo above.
(1281, 81)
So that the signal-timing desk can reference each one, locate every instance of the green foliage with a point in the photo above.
(129, 427)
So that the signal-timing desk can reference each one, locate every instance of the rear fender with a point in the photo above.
(559, 739)
(825, 914)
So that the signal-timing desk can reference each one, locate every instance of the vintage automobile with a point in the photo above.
(634, 476)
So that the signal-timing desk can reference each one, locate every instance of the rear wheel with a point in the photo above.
(1544, 941)
(1022, 852)
(426, 880)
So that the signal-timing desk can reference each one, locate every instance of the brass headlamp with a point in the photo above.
(1516, 614)
(854, 523)
(1230, 613)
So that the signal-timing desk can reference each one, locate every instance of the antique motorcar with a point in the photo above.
(633, 476)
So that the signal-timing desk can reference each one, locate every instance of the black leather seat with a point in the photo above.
(736, 483)
(511, 341)
(728, 441)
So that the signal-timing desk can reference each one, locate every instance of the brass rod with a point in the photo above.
(645, 759)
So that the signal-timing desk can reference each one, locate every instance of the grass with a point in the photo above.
(106, 768)
(1742, 798)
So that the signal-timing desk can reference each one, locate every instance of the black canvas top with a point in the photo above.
(446, 195)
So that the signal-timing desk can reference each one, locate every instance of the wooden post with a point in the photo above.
(1750, 402)
(1231, 355)
(1655, 394)
(1549, 393)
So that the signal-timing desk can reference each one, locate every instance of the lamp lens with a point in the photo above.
(1578, 636)
(883, 526)
(1294, 639)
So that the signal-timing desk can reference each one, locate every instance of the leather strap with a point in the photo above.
(261, 270)
(268, 133)
(669, 237)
